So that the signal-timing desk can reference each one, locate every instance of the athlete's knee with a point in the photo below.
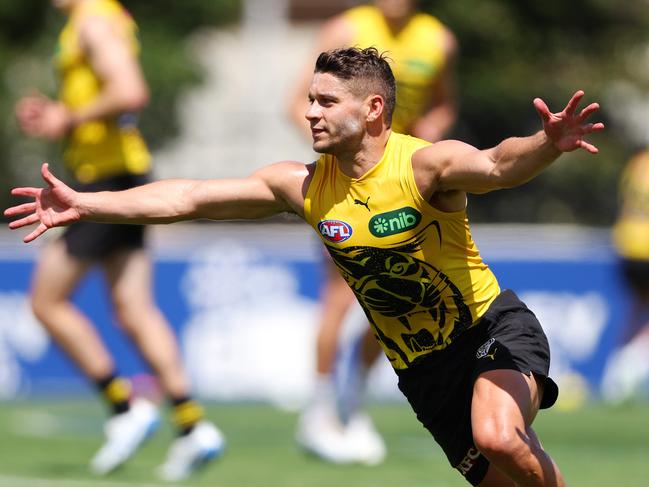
(44, 305)
(500, 442)
(133, 309)
(39, 306)
(127, 312)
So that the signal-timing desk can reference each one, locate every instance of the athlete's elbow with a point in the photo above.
(135, 99)
(136, 102)
(500, 178)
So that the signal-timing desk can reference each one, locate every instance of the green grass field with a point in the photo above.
(47, 444)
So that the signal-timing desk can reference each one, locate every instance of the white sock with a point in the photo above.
(324, 392)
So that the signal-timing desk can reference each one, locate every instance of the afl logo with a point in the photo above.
(335, 230)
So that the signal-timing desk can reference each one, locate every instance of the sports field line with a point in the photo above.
(17, 481)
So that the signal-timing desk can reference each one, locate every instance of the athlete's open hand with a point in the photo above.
(54, 206)
(568, 128)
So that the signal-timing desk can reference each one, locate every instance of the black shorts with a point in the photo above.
(636, 273)
(440, 387)
(90, 240)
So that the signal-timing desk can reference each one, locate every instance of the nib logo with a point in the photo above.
(395, 221)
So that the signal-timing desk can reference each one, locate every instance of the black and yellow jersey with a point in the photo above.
(415, 270)
(104, 148)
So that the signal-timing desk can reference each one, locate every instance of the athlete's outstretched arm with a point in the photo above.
(274, 189)
(454, 165)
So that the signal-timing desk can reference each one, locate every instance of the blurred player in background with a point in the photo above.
(101, 89)
(627, 371)
(472, 359)
(422, 52)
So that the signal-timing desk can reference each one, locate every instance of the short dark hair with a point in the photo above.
(367, 70)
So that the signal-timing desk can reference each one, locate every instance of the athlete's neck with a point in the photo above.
(370, 152)
(397, 21)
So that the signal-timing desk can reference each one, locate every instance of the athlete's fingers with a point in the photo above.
(588, 147)
(49, 178)
(592, 127)
(586, 112)
(542, 109)
(597, 127)
(574, 101)
(23, 222)
(38, 231)
(31, 192)
(20, 209)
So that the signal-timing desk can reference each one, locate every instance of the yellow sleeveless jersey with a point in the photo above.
(417, 53)
(631, 231)
(415, 270)
(100, 148)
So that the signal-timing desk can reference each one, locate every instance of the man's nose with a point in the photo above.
(312, 112)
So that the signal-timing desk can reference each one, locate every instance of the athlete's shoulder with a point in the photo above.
(444, 150)
(98, 8)
(428, 20)
(399, 139)
(284, 169)
(640, 161)
(288, 180)
(430, 27)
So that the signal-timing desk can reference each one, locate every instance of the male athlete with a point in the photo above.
(473, 361)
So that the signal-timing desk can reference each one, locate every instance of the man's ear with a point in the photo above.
(375, 105)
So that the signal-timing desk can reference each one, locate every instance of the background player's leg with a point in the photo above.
(364, 439)
(320, 430)
(504, 405)
(56, 276)
(129, 275)
(337, 298)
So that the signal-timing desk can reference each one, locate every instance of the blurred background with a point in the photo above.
(243, 297)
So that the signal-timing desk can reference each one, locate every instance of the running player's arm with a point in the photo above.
(335, 33)
(274, 189)
(455, 166)
(442, 113)
(123, 87)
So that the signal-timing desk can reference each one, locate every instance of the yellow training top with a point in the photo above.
(100, 148)
(415, 270)
(631, 231)
(417, 53)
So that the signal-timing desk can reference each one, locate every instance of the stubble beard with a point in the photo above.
(343, 140)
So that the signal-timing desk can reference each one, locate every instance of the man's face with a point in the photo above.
(335, 114)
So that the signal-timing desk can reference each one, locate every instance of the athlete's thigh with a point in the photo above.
(128, 272)
(504, 398)
(57, 273)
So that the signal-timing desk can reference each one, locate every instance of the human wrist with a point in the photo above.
(84, 205)
(72, 119)
(548, 144)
